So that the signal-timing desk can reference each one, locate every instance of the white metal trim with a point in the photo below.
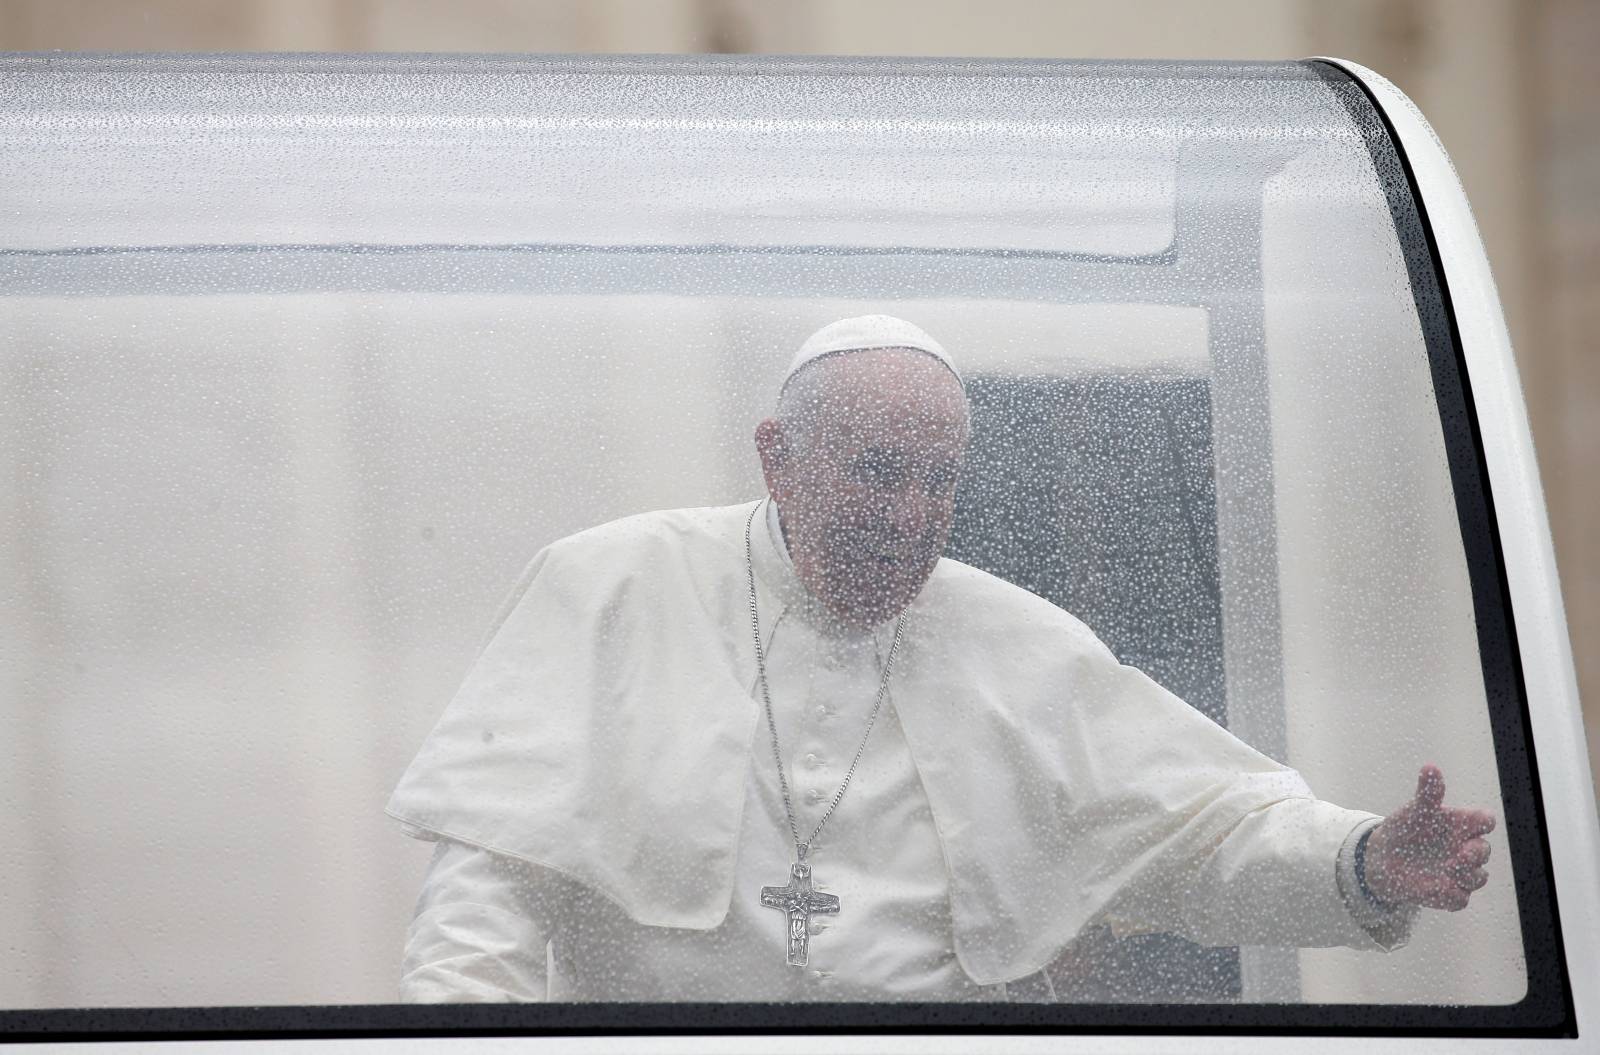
(1566, 786)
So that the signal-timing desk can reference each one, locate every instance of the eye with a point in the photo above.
(940, 481)
(877, 468)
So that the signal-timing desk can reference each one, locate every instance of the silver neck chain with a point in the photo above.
(803, 847)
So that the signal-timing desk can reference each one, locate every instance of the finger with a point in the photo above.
(1473, 880)
(1464, 864)
(1442, 893)
(1453, 901)
(1466, 823)
(1472, 854)
(1430, 787)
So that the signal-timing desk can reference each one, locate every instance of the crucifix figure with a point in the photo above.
(799, 903)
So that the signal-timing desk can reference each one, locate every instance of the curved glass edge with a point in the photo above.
(1548, 1005)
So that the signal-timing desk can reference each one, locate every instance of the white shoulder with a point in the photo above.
(988, 603)
(653, 535)
(643, 559)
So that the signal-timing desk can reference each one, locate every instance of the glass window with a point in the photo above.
(304, 359)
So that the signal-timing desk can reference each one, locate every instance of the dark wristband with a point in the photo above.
(1361, 872)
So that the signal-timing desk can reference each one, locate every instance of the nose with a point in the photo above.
(908, 511)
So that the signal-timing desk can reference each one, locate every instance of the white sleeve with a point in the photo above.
(1284, 876)
(1389, 925)
(482, 926)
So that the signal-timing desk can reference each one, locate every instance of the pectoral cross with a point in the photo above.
(799, 903)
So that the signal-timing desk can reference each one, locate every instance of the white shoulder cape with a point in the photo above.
(605, 731)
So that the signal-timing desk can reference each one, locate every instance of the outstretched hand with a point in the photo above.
(1427, 853)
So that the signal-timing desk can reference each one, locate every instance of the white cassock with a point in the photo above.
(603, 784)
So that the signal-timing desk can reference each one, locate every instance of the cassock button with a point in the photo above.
(823, 714)
(822, 976)
(814, 795)
(813, 760)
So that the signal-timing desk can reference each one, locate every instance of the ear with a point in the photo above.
(774, 452)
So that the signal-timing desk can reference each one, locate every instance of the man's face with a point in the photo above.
(866, 502)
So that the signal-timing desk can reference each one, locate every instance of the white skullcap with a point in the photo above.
(862, 333)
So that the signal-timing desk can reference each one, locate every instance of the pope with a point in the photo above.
(787, 751)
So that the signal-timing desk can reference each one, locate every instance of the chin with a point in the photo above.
(885, 606)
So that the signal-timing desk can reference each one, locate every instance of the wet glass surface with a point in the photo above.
(302, 360)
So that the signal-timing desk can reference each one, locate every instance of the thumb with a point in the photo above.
(1430, 787)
